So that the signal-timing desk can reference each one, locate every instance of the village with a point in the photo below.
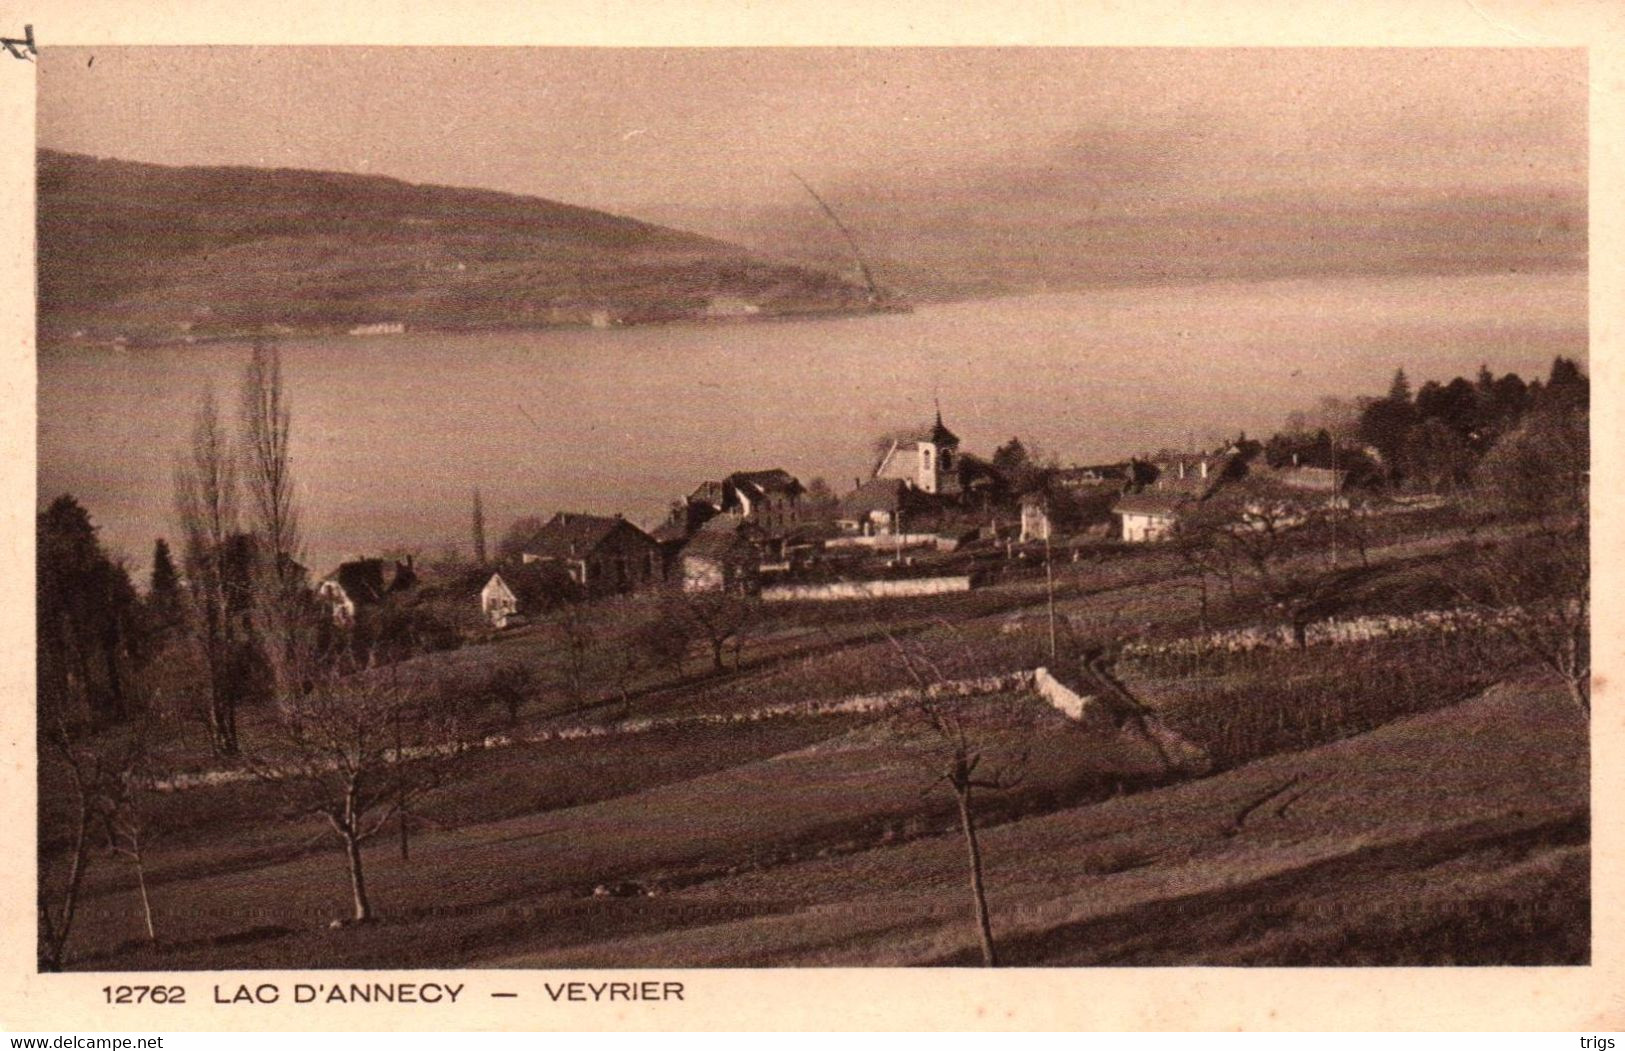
(930, 519)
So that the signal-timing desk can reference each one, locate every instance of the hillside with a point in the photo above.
(1406, 800)
(160, 254)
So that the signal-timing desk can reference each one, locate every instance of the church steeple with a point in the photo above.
(940, 434)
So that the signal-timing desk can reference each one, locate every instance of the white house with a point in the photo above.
(1148, 516)
(1035, 523)
(498, 603)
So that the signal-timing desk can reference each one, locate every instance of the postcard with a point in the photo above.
(806, 516)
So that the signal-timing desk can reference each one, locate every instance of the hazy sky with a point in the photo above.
(707, 137)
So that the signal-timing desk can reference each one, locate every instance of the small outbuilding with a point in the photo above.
(1035, 520)
(498, 603)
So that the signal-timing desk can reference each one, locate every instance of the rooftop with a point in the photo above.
(877, 494)
(726, 535)
(1151, 502)
(570, 534)
(936, 434)
(760, 483)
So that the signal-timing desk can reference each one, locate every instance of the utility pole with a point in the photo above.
(1049, 584)
(1335, 501)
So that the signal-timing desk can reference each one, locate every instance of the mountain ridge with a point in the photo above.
(141, 253)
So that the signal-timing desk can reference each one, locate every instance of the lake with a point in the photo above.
(393, 432)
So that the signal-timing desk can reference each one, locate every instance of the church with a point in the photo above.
(927, 460)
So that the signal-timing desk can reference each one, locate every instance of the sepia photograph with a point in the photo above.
(596, 508)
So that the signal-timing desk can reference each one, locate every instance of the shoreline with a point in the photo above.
(902, 305)
(278, 332)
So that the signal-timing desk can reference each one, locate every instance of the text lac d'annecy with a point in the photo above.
(341, 993)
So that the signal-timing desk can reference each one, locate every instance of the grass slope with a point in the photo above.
(871, 785)
(1455, 837)
(159, 253)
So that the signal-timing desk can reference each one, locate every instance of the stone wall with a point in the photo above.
(1079, 707)
(888, 541)
(1163, 749)
(865, 589)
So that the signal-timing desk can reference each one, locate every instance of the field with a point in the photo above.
(1411, 799)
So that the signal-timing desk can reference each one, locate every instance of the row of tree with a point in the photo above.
(94, 635)
(1437, 436)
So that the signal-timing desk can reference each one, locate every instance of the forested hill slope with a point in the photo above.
(148, 253)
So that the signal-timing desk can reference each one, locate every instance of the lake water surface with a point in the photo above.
(392, 433)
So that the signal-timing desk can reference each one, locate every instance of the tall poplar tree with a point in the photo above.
(479, 529)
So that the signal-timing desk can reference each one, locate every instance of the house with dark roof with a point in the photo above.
(769, 500)
(363, 582)
(673, 529)
(1190, 474)
(723, 555)
(706, 494)
(603, 555)
(927, 460)
(875, 508)
(1151, 512)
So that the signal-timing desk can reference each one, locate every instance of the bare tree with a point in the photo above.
(281, 609)
(206, 503)
(627, 662)
(58, 904)
(718, 617)
(571, 627)
(510, 685)
(970, 745)
(357, 750)
(1535, 587)
(128, 821)
(664, 642)
(95, 771)
(1535, 592)
(1197, 545)
(1258, 527)
(1254, 527)
(267, 429)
